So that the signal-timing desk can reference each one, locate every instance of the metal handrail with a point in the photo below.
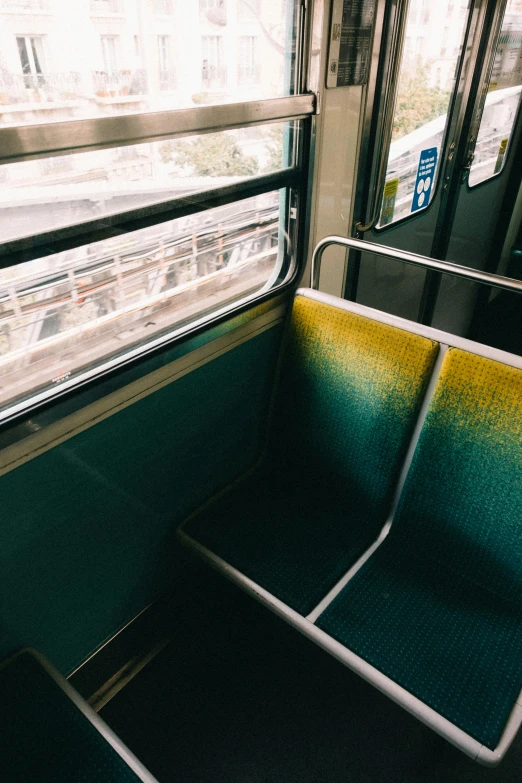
(55, 138)
(466, 272)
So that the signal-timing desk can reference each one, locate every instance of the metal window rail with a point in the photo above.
(466, 272)
(56, 240)
(60, 138)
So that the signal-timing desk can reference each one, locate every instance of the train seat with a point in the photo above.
(49, 733)
(438, 607)
(348, 397)
(431, 612)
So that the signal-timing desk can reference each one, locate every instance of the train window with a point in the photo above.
(51, 193)
(131, 290)
(113, 57)
(430, 57)
(148, 186)
(502, 100)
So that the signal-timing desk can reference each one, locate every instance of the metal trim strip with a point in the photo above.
(39, 442)
(457, 270)
(444, 338)
(28, 248)
(138, 353)
(109, 736)
(305, 625)
(61, 138)
(343, 581)
(464, 742)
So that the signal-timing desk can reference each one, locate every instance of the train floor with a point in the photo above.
(239, 696)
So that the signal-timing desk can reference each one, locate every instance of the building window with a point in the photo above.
(109, 45)
(213, 72)
(164, 7)
(248, 66)
(166, 74)
(32, 60)
(137, 47)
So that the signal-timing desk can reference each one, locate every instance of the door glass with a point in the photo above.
(502, 101)
(432, 47)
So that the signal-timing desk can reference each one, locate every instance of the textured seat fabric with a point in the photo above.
(45, 737)
(346, 405)
(438, 607)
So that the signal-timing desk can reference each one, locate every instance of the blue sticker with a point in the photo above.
(424, 181)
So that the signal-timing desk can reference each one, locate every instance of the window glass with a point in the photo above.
(109, 57)
(50, 193)
(433, 41)
(502, 100)
(126, 291)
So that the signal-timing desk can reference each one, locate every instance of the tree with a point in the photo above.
(212, 155)
(274, 148)
(417, 102)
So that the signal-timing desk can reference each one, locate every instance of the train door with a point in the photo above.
(438, 153)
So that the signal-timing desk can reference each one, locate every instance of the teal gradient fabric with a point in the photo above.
(346, 405)
(438, 607)
(45, 737)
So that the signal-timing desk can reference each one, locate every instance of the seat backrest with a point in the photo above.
(348, 398)
(461, 505)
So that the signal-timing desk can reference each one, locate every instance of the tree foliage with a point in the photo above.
(417, 102)
(274, 148)
(212, 155)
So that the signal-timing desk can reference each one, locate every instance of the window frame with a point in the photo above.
(31, 142)
(473, 186)
(114, 54)
(444, 140)
(213, 72)
(28, 39)
(44, 141)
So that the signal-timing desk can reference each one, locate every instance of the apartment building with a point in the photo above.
(64, 59)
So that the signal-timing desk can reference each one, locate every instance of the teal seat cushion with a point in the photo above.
(285, 534)
(455, 646)
(438, 607)
(347, 401)
(45, 737)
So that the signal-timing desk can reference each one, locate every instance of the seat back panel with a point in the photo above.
(349, 396)
(462, 500)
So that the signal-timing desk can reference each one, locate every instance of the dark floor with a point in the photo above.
(239, 696)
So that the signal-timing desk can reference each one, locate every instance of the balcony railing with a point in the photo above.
(38, 87)
(213, 78)
(167, 80)
(106, 6)
(165, 7)
(24, 5)
(120, 83)
(249, 74)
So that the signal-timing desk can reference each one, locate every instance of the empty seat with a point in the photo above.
(346, 405)
(50, 734)
(438, 607)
